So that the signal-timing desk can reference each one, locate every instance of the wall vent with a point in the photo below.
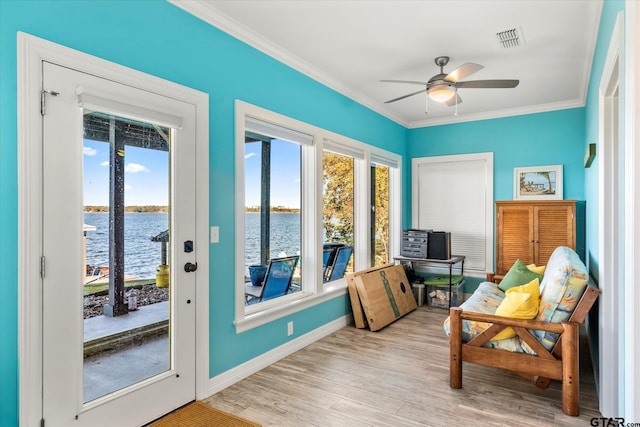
(511, 38)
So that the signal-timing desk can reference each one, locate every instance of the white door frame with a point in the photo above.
(632, 225)
(610, 223)
(31, 52)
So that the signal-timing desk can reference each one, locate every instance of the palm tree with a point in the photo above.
(547, 176)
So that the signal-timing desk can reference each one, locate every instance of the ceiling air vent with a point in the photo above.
(511, 38)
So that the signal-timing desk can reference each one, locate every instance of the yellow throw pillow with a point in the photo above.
(537, 269)
(533, 288)
(520, 302)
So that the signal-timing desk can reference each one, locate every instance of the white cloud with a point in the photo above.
(127, 187)
(249, 155)
(88, 151)
(105, 163)
(135, 168)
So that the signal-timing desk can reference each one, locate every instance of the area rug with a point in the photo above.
(199, 414)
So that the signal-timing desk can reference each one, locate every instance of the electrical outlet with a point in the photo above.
(289, 328)
(215, 234)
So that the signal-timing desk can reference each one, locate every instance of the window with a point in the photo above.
(272, 172)
(380, 214)
(304, 192)
(337, 210)
(455, 193)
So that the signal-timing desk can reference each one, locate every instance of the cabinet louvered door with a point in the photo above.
(514, 236)
(530, 231)
(555, 226)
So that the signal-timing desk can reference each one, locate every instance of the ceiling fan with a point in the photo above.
(444, 87)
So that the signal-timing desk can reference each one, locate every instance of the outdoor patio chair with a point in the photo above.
(277, 280)
(340, 263)
(326, 259)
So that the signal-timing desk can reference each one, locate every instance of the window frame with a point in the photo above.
(313, 291)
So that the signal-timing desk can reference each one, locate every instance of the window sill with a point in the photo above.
(299, 303)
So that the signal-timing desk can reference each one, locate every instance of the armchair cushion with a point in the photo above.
(486, 300)
(564, 282)
(518, 275)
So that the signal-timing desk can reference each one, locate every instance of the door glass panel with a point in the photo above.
(126, 174)
(379, 214)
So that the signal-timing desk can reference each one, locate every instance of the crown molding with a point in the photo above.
(213, 16)
(497, 114)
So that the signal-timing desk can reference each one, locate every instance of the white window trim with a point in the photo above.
(489, 202)
(313, 291)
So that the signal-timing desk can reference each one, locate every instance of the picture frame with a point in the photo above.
(537, 183)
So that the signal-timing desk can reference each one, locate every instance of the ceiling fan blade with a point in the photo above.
(463, 71)
(452, 102)
(405, 96)
(479, 84)
(413, 82)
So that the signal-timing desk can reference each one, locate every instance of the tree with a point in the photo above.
(547, 176)
(337, 198)
(337, 204)
(381, 215)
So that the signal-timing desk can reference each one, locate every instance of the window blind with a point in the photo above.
(343, 149)
(262, 127)
(454, 195)
(375, 158)
(121, 109)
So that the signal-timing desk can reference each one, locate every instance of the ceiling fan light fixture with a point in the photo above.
(441, 92)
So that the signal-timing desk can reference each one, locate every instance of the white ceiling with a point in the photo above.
(351, 45)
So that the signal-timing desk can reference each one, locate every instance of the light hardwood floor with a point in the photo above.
(398, 376)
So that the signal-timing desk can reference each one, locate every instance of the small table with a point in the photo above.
(455, 259)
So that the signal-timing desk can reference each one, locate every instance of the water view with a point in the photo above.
(141, 255)
(285, 236)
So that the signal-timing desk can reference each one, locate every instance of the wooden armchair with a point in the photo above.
(560, 363)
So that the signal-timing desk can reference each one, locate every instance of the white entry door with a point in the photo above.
(118, 252)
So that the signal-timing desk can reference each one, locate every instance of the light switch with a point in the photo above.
(215, 234)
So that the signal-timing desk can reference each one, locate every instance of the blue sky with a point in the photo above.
(146, 175)
(285, 173)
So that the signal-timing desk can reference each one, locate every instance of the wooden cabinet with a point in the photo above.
(531, 230)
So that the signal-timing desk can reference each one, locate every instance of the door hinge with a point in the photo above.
(42, 267)
(43, 93)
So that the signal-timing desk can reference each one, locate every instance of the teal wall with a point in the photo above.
(158, 38)
(551, 138)
(607, 21)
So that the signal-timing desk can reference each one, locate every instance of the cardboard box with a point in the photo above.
(385, 295)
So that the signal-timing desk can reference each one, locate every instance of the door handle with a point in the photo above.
(190, 268)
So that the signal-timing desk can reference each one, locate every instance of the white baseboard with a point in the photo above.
(240, 372)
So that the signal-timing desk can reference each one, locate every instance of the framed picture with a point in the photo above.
(537, 183)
